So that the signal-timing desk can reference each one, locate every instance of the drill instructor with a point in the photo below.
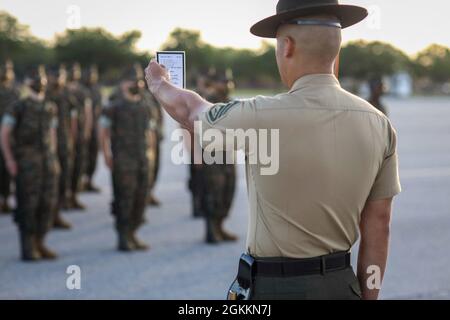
(338, 167)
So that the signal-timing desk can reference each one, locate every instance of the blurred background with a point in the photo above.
(405, 43)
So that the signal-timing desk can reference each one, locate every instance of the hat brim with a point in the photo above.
(347, 14)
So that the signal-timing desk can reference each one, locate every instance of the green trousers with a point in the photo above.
(337, 285)
(36, 193)
(92, 153)
(130, 187)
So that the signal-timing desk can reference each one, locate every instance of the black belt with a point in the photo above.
(250, 268)
(273, 267)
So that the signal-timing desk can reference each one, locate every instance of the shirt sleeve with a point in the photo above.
(152, 125)
(52, 109)
(229, 120)
(74, 113)
(54, 123)
(237, 114)
(9, 118)
(387, 183)
(106, 117)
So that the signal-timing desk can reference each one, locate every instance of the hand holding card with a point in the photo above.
(175, 63)
(155, 74)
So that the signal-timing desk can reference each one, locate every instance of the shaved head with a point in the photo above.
(313, 48)
(314, 42)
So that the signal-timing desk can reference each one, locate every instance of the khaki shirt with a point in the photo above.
(336, 152)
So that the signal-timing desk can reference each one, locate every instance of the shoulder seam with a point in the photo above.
(320, 108)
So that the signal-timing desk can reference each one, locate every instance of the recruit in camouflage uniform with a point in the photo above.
(90, 80)
(155, 136)
(124, 132)
(219, 180)
(195, 182)
(32, 122)
(83, 106)
(58, 94)
(8, 95)
(377, 89)
(151, 148)
(159, 116)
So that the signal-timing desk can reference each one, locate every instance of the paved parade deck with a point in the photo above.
(180, 266)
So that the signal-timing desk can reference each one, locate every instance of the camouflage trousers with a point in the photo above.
(219, 182)
(92, 154)
(65, 158)
(156, 165)
(36, 193)
(151, 155)
(130, 187)
(79, 165)
(195, 185)
(5, 180)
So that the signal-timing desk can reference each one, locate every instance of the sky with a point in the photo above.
(410, 25)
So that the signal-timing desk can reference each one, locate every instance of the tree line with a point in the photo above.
(360, 60)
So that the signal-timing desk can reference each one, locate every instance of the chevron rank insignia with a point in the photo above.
(219, 111)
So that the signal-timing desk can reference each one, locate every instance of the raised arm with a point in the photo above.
(182, 105)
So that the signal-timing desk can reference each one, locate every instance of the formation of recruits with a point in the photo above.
(52, 127)
(49, 144)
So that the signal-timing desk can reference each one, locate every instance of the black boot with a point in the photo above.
(44, 251)
(212, 234)
(28, 247)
